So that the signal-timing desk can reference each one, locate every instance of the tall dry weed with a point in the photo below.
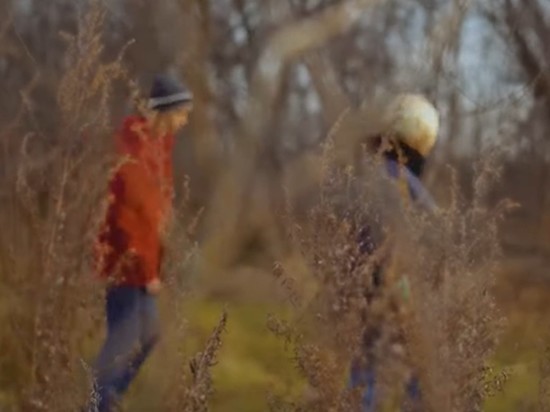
(451, 320)
(329, 327)
(435, 315)
(193, 387)
(54, 207)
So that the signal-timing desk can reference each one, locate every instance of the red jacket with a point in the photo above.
(140, 198)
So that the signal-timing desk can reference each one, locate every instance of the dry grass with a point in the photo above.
(194, 389)
(50, 220)
(436, 314)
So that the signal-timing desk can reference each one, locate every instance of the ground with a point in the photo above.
(254, 364)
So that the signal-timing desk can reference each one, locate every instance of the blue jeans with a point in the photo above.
(365, 378)
(132, 332)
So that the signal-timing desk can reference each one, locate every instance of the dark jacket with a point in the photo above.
(367, 240)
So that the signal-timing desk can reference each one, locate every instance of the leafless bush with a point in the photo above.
(53, 209)
(454, 324)
(436, 315)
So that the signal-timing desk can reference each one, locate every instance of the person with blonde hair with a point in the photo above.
(411, 126)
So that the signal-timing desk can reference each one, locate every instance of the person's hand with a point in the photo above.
(154, 287)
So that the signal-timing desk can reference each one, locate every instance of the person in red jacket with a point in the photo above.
(129, 247)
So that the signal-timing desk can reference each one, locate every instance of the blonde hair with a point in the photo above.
(414, 121)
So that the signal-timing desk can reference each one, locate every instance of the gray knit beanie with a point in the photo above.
(168, 92)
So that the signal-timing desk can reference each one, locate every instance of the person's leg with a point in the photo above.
(149, 335)
(413, 395)
(121, 345)
(364, 377)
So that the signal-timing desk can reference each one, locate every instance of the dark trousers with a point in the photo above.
(365, 378)
(132, 332)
